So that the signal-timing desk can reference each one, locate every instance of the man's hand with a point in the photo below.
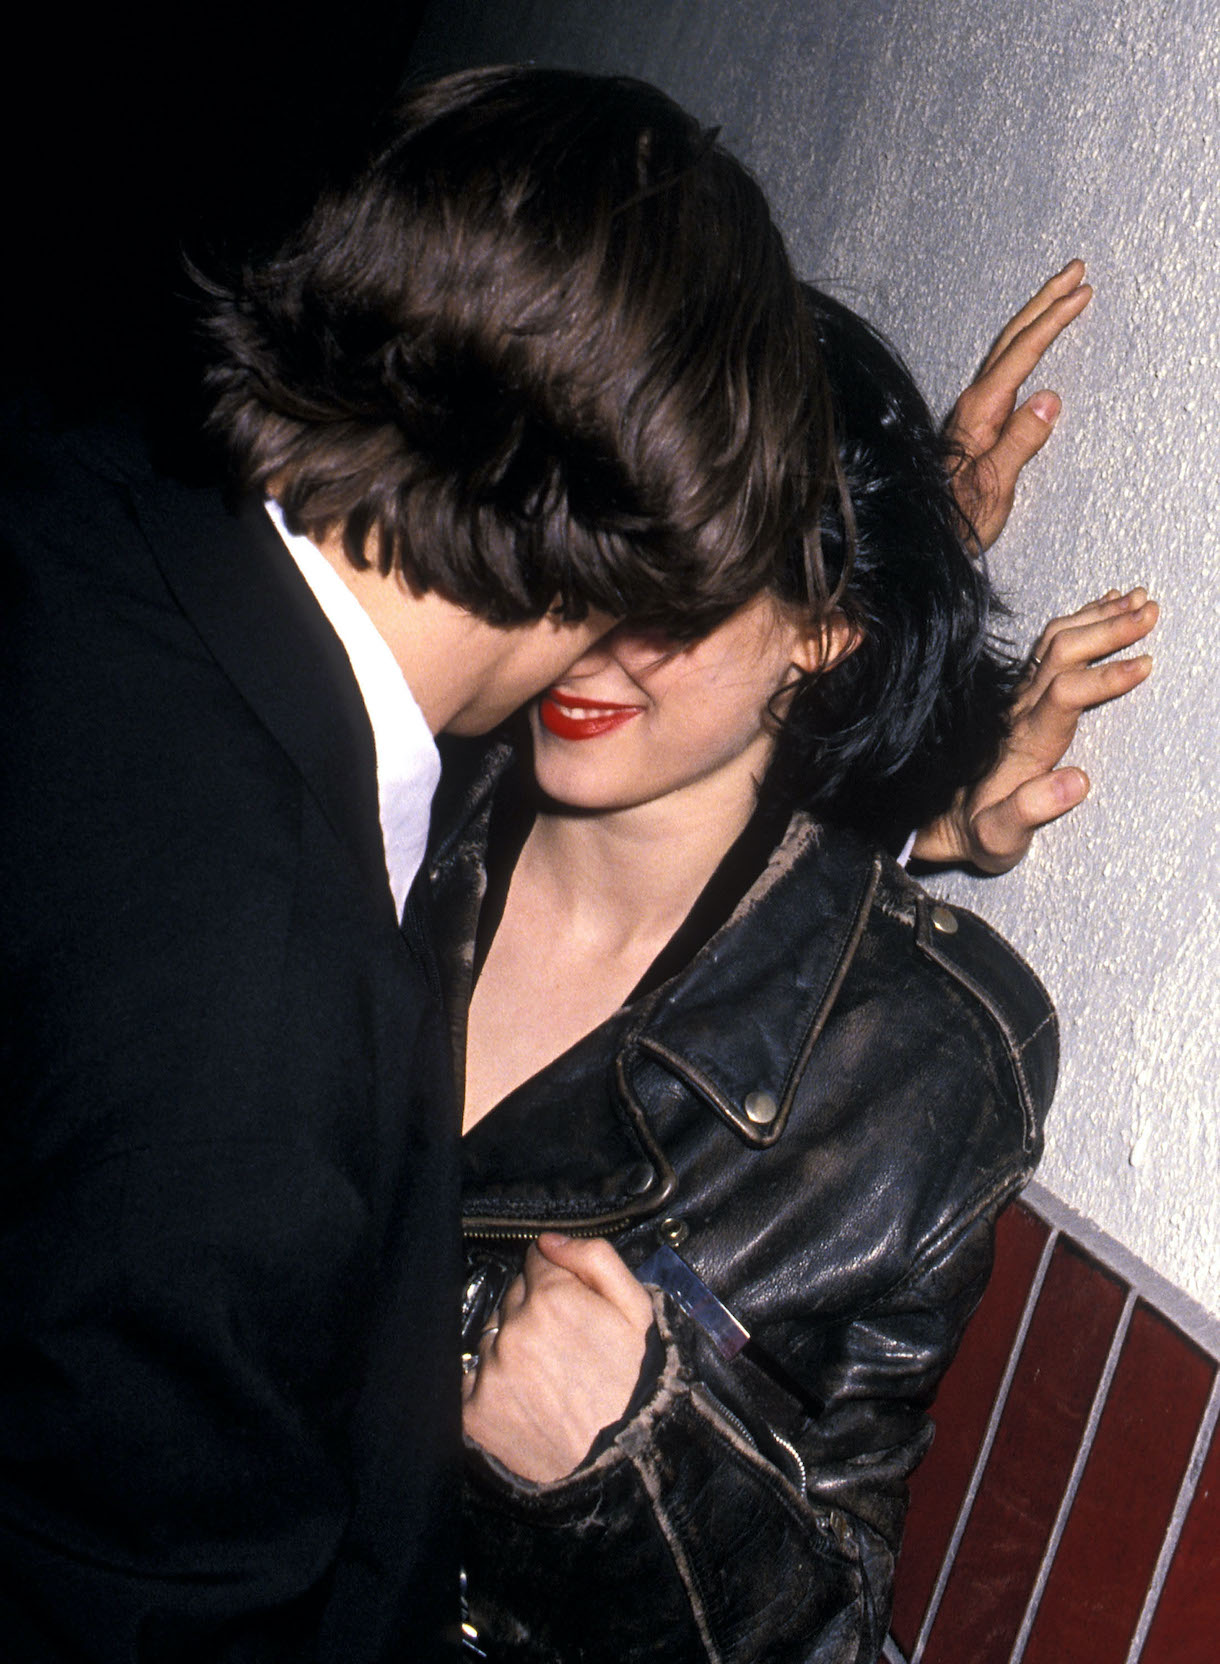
(560, 1359)
(991, 825)
(994, 436)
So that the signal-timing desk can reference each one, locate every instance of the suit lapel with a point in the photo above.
(233, 578)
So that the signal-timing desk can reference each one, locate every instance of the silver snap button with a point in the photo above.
(673, 1232)
(761, 1108)
(943, 920)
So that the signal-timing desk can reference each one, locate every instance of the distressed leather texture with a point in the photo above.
(824, 1114)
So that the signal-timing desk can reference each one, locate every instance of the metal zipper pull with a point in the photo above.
(670, 1273)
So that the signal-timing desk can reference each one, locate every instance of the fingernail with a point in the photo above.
(1070, 785)
(1111, 595)
(1046, 407)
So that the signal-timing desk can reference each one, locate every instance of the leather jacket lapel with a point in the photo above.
(704, 1024)
(553, 1156)
(568, 1150)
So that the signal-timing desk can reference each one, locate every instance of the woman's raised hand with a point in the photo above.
(993, 435)
(1070, 670)
(991, 825)
(561, 1358)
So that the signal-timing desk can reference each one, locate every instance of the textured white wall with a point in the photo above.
(932, 164)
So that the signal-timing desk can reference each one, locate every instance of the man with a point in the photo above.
(541, 364)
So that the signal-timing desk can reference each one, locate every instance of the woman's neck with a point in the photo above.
(632, 875)
(593, 900)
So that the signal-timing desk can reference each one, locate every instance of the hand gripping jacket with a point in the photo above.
(824, 1114)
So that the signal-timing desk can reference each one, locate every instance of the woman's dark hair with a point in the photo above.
(884, 739)
(546, 345)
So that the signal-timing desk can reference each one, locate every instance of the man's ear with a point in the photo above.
(827, 644)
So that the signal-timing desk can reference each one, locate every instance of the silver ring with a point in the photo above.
(491, 1329)
(1033, 661)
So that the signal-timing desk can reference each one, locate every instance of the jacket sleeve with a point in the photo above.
(762, 1517)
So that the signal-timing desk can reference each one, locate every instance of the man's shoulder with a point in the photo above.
(71, 495)
(41, 455)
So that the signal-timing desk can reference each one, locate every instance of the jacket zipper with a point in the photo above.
(736, 1422)
(522, 1233)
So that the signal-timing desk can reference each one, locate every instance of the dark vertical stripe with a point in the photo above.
(1186, 1625)
(1031, 1461)
(962, 1410)
(1124, 1504)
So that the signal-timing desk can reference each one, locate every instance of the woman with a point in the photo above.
(712, 1022)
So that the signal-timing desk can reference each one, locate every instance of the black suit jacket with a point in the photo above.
(228, 1217)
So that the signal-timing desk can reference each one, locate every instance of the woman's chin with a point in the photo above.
(570, 797)
(583, 791)
(576, 776)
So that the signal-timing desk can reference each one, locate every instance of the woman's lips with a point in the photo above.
(570, 717)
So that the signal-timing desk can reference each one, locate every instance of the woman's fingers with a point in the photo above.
(994, 436)
(1105, 606)
(563, 1361)
(1004, 830)
(1069, 693)
(1006, 368)
(985, 485)
(1075, 675)
(1064, 286)
(1066, 662)
(599, 1267)
(988, 402)
(1071, 670)
(1110, 606)
(1022, 435)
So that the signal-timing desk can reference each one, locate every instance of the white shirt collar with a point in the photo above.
(408, 763)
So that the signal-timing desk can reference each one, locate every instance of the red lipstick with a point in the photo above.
(570, 717)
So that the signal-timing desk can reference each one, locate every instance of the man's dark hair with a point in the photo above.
(546, 346)
(919, 709)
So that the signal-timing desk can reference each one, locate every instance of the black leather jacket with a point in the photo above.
(823, 1113)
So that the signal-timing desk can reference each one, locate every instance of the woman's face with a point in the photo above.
(636, 720)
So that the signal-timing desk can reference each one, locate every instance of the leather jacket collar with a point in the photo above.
(703, 1023)
(555, 1154)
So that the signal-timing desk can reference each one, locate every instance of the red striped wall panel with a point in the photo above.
(1030, 1463)
(1186, 1625)
(963, 1405)
(1108, 1552)
(1089, 1494)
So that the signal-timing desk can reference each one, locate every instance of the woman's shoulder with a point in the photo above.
(987, 976)
(839, 977)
